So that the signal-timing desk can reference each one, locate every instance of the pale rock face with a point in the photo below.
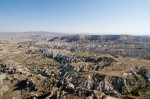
(87, 84)
(110, 85)
(145, 72)
(70, 85)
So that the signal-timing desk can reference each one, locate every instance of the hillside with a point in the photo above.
(123, 38)
(75, 67)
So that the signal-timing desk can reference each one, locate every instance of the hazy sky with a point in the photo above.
(84, 16)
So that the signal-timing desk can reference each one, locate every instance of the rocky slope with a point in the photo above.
(48, 70)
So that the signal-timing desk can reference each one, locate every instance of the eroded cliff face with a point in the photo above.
(110, 85)
(145, 72)
(106, 75)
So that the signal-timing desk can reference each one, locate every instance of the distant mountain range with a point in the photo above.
(30, 35)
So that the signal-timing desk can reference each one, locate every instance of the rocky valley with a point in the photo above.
(74, 67)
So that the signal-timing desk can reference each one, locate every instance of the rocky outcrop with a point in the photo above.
(30, 84)
(13, 69)
(145, 72)
(67, 58)
(2, 65)
(110, 85)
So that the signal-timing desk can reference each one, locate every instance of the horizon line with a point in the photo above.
(82, 33)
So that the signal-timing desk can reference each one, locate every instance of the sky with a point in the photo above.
(76, 16)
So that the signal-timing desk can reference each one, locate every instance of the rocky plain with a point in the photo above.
(55, 66)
